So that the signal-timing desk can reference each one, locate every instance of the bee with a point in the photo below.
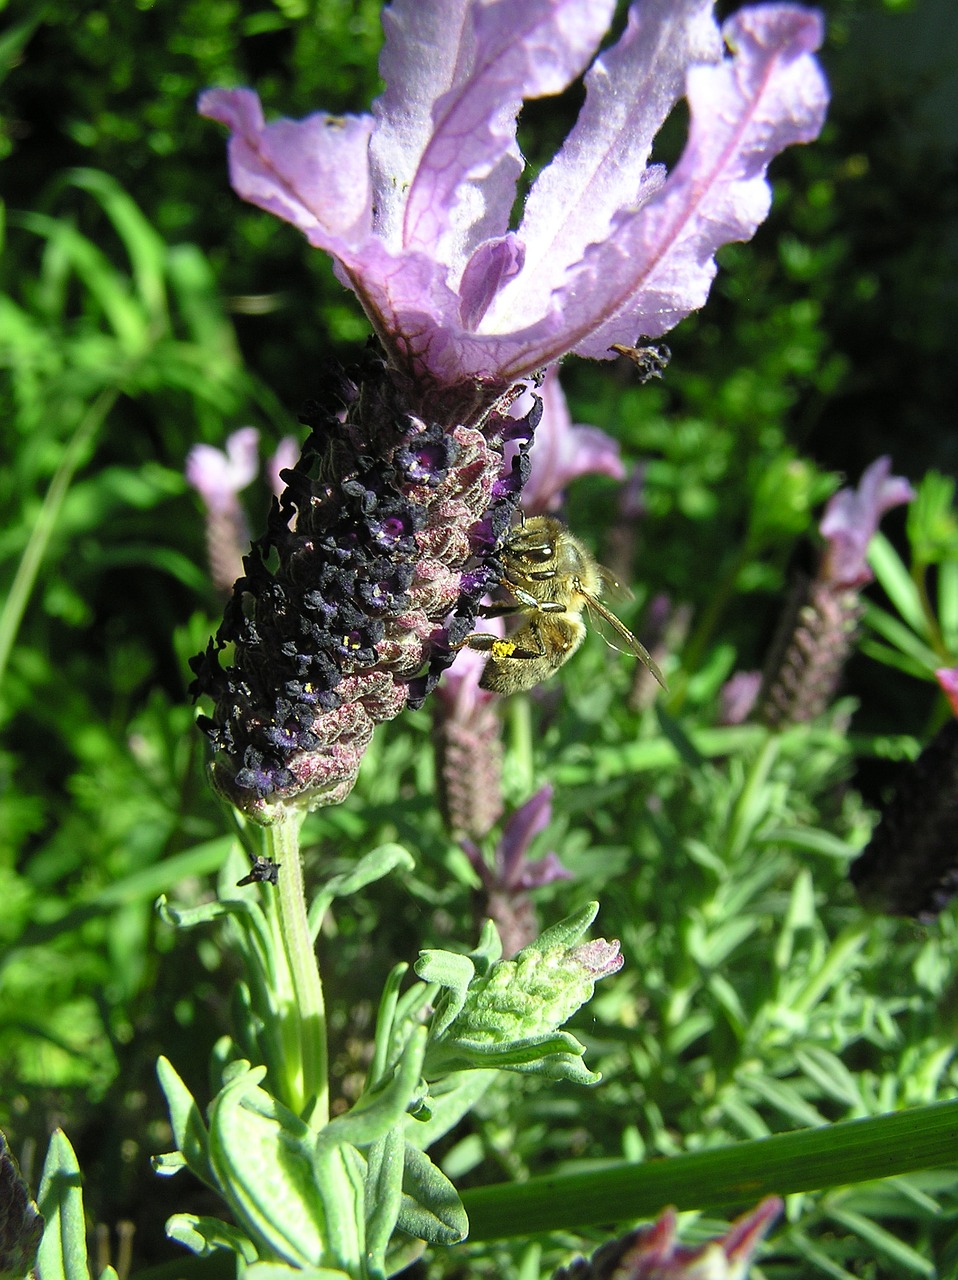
(553, 579)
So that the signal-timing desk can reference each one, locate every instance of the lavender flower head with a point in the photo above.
(384, 542)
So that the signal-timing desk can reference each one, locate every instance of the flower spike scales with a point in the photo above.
(381, 548)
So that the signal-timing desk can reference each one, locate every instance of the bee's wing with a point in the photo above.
(612, 587)
(621, 633)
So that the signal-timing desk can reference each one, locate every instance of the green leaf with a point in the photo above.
(190, 1132)
(834, 1155)
(205, 1236)
(384, 1178)
(896, 582)
(897, 634)
(62, 1254)
(374, 866)
(568, 931)
(279, 1186)
(431, 1209)
(381, 1109)
(948, 605)
(881, 1241)
(454, 973)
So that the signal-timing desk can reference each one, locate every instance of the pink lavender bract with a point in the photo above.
(414, 200)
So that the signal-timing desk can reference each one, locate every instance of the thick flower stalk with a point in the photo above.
(818, 629)
(380, 550)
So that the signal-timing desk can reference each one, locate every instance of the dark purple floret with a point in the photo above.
(371, 570)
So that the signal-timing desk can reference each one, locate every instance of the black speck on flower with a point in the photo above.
(371, 569)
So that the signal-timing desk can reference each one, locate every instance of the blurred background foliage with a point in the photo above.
(144, 308)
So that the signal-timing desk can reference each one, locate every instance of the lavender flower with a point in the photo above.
(818, 628)
(384, 542)
(651, 1253)
(851, 520)
(507, 883)
(219, 477)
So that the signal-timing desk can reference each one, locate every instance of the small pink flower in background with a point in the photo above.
(652, 1253)
(851, 520)
(284, 459)
(562, 451)
(737, 697)
(507, 882)
(818, 629)
(947, 678)
(219, 475)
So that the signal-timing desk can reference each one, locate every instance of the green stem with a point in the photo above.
(521, 755)
(718, 602)
(23, 583)
(312, 1082)
(727, 1177)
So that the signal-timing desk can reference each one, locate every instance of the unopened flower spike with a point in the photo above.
(818, 630)
(384, 541)
(910, 865)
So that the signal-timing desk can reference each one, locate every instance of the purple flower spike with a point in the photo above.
(413, 201)
(851, 520)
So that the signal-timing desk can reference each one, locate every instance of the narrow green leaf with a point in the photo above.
(882, 1241)
(370, 868)
(205, 1236)
(384, 1178)
(896, 582)
(190, 1132)
(431, 1209)
(144, 247)
(62, 1254)
(906, 641)
(380, 1110)
(731, 1176)
(948, 605)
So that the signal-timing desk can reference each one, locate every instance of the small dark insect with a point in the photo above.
(263, 871)
(650, 359)
(553, 580)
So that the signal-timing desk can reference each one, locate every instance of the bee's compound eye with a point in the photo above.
(542, 553)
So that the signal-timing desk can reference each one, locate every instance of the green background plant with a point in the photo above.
(144, 308)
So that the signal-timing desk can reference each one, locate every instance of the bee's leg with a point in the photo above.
(483, 642)
(498, 610)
